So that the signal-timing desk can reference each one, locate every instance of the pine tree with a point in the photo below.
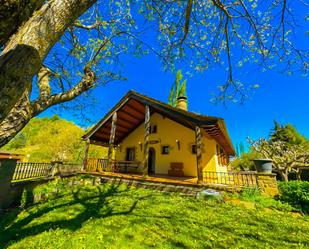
(179, 88)
(287, 133)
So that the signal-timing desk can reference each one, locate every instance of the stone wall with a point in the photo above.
(7, 169)
(267, 184)
(11, 192)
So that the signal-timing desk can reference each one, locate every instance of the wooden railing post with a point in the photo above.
(146, 141)
(54, 169)
(111, 139)
(86, 154)
(198, 139)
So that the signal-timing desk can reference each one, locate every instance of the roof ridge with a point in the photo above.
(170, 106)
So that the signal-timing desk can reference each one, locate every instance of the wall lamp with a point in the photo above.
(178, 144)
(140, 145)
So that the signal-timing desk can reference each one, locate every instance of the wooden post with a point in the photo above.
(111, 139)
(198, 140)
(146, 140)
(86, 154)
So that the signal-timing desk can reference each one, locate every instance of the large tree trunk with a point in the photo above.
(13, 13)
(17, 118)
(23, 55)
(284, 175)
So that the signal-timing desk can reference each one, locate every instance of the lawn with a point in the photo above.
(115, 216)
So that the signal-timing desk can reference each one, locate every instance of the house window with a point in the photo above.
(153, 129)
(193, 149)
(165, 149)
(223, 158)
(130, 154)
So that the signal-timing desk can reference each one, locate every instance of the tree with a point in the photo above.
(285, 146)
(285, 156)
(51, 54)
(244, 162)
(240, 149)
(287, 133)
(178, 89)
(52, 139)
(243, 159)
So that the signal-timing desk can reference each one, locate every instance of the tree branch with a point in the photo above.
(85, 84)
(187, 21)
(43, 82)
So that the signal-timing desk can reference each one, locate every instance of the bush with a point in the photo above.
(250, 194)
(296, 193)
(261, 201)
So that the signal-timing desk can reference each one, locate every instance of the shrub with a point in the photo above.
(250, 194)
(296, 193)
(261, 201)
(26, 197)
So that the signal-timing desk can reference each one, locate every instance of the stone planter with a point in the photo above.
(263, 165)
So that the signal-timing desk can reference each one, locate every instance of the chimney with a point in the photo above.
(182, 103)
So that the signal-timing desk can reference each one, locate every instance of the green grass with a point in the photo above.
(114, 216)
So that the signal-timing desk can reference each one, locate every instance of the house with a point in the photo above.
(152, 137)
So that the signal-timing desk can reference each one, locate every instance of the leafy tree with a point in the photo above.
(244, 161)
(287, 133)
(56, 50)
(179, 88)
(50, 139)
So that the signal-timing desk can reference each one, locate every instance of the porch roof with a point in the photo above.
(131, 113)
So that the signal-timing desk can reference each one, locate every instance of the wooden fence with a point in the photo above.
(239, 179)
(31, 170)
(96, 165)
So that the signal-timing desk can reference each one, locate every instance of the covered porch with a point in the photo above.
(154, 178)
(128, 170)
(133, 111)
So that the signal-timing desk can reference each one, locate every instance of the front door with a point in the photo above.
(151, 161)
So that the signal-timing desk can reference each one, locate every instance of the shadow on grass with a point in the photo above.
(91, 209)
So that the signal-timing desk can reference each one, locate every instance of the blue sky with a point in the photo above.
(280, 97)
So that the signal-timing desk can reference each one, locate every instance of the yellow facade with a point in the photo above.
(179, 139)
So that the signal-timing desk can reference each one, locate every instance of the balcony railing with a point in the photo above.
(101, 165)
(241, 179)
(97, 165)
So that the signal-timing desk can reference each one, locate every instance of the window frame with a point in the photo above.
(193, 149)
(222, 156)
(133, 151)
(163, 147)
(153, 129)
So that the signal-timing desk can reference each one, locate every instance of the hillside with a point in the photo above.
(47, 139)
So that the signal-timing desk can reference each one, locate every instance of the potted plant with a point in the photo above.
(263, 165)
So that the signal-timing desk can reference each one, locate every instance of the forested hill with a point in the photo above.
(47, 139)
